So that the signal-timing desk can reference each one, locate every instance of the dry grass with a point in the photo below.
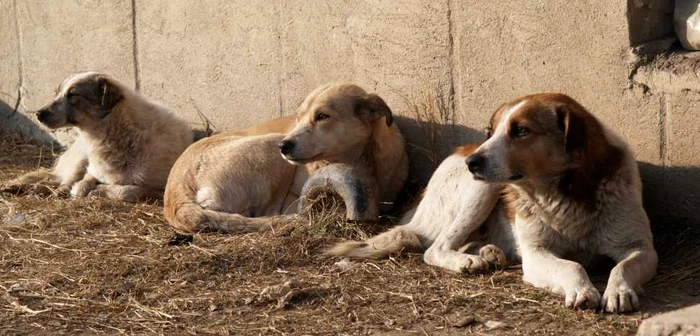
(97, 266)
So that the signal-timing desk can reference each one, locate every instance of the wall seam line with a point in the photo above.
(280, 60)
(135, 47)
(20, 84)
(663, 105)
(450, 45)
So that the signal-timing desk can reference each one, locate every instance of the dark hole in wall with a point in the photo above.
(648, 20)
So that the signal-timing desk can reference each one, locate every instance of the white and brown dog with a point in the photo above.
(571, 192)
(126, 144)
(237, 181)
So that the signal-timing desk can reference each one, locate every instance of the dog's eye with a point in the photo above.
(520, 131)
(72, 98)
(321, 116)
(489, 132)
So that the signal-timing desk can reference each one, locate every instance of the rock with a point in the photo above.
(492, 325)
(681, 322)
(465, 322)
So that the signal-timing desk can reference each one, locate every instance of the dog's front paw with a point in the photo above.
(583, 297)
(471, 264)
(493, 255)
(82, 188)
(619, 299)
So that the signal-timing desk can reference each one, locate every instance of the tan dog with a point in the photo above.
(126, 144)
(234, 183)
(572, 193)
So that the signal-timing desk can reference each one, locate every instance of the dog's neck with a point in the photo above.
(360, 156)
(111, 129)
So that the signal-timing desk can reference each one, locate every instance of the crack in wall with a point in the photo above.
(135, 48)
(280, 60)
(20, 84)
(663, 110)
(450, 46)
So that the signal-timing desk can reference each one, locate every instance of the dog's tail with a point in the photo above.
(396, 240)
(40, 182)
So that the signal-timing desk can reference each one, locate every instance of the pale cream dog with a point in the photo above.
(238, 182)
(126, 144)
(572, 193)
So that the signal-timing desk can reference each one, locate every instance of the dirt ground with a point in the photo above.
(96, 266)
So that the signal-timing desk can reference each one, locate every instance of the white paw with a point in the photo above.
(471, 264)
(82, 188)
(583, 297)
(619, 299)
(493, 255)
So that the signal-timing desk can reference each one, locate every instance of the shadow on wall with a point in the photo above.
(427, 144)
(16, 122)
(671, 198)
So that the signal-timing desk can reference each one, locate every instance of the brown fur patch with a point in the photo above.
(565, 140)
(466, 150)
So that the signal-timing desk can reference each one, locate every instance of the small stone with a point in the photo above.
(16, 288)
(493, 325)
(344, 265)
(465, 322)
(53, 323)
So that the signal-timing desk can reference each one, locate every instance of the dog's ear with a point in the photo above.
(104, 95)
(373, 107)
(585, 140)
(108, 92)
(573, 123)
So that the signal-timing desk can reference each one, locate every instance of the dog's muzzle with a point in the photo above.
(476, 163)
(286, 147)
(43, 115)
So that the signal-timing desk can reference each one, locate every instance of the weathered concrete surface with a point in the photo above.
(219, 56)
(11, 86)
(511, 48)
(241, 62)
(9, 54)
(682, 322)
(396, 48)
(59, 38)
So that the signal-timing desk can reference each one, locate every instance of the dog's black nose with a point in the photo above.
(475, 162)
(42, 114)
(286, 146)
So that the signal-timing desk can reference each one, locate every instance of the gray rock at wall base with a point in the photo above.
(685, 321)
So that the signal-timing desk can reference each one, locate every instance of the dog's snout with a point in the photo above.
(42, 114)
(286, 146)
(476, 162)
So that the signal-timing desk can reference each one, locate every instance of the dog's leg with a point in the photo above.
(127, 193)
(441, 255)
(443, 252)
(543, 269)
(491, 253)
(83, 187)
(635, 268)
(71, 166)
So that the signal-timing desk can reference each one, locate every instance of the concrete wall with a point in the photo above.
(240, 62)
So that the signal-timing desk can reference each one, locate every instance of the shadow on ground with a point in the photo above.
(88, 266)
(671, 198)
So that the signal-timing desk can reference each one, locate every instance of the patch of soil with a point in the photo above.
(86, 266)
